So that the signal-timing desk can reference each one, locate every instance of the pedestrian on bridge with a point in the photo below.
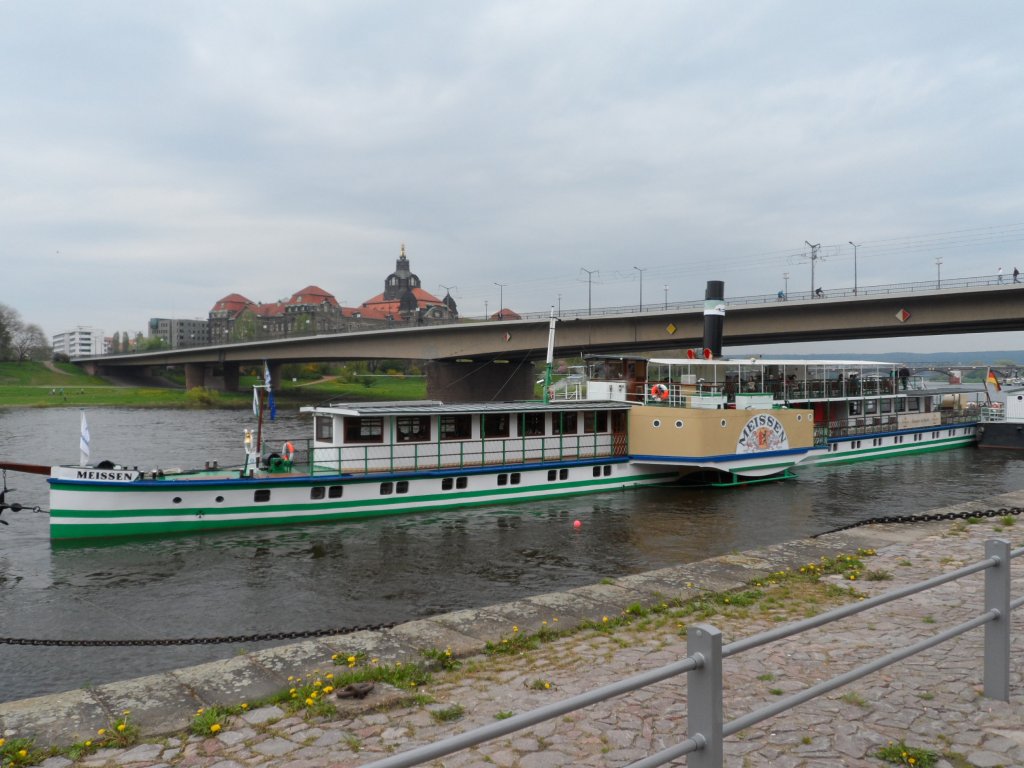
(1016, 275)
(999, 274)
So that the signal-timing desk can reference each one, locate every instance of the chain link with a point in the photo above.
(263, 637)
(1001, 512)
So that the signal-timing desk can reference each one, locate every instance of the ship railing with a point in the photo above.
(458, 454)
(707, 685)
(993, 412)
(960, 415)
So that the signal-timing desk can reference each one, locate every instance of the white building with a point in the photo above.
(80, 342)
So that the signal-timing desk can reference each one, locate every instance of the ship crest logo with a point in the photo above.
(762, 433)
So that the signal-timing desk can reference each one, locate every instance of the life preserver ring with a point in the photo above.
(288, 451)
(659, 392)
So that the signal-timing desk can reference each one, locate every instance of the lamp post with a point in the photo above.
(666, 297)
(785, 282)
(590, 275)
(501, 300)
(938, 272)
(641, 271)
(855, 247)
(559, 305)
(814, 258)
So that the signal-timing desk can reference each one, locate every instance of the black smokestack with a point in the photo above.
(714, 316)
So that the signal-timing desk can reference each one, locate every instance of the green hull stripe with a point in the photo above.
(879, 452)
(114, 524)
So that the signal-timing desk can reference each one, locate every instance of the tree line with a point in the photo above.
(21, 341)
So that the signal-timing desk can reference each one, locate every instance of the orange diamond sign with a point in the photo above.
(903, 315)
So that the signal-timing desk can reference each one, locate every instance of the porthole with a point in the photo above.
(656, 423)
(219, 499)
(724, 423)
(679, 423)
(176, 499)
(799, 417)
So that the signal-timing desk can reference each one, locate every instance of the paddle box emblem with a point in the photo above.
(763, 432)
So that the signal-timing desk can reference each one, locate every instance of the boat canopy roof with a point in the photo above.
(788, 363)
(435, 407)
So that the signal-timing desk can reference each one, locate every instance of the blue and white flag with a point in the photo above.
(83, 441)
(270, 393)
(255, 401)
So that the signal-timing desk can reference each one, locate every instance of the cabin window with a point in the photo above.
(607, 470)
(870, 406)
(913, 403)
(447, 484)
(532, 424)
(855, 407)
(901, 405)
(618, 422)
(364, 429)
(563, 474)
(461, 482)
(503, 479)
(564, 423)
(324, 426)
(595, 421)
(514, 478)
(386, 489)
(552, 475)
(402, 486)
(317, 492)
(335, 491)
(887, 406)
(597, 471)
(494, 425)
(412, 429)
(261, 495)
(456, 426)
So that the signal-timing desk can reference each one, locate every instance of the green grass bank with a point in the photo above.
(42, 385)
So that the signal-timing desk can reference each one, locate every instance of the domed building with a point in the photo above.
(404, 300)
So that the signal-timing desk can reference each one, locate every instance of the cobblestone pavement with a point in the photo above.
(932, 700)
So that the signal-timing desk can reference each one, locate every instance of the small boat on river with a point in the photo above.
(1002, 423)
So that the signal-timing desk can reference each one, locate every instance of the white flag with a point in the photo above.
(83, 442)
(255, 402)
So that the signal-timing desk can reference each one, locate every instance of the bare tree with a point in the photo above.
(29, 343)
(10, 324)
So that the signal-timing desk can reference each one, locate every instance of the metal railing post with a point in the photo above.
(997, 633)
(704, 696)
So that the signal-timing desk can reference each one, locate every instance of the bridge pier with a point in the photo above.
(480, 380)
(230, 377)
(195, 375)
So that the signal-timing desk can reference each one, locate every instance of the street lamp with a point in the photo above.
(641, 271)
(814, 258)
(785, 280)
(590, 275)
(855, 247)
(666, 297)
(938, 272)
(501, 300)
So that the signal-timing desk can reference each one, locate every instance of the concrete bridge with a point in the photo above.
(494, 360)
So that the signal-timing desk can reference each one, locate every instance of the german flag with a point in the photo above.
(991, 379)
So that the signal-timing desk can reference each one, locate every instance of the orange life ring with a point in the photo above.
(288, 451)
(659, 392)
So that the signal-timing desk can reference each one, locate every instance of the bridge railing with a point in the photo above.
(706, 724)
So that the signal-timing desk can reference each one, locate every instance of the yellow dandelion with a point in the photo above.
(318, 684)
(604, 619)
(309, 702)
(101, 731)
(291, 678)
(292, 691)
(334, 657)
(329, 675)
(514, 629)
(244, 705)
(87, 743)
(2, 742)
(544, 623)
(200, 711)
(547, 685)
(215, 727)
(22, 753)
(328, 688)
(555, 618)
(313, 695)
(374, 661)
(351, 659)
(121, 727)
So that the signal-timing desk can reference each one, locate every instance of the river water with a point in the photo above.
(375, 571)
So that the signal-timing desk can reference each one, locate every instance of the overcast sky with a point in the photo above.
(157, 156)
